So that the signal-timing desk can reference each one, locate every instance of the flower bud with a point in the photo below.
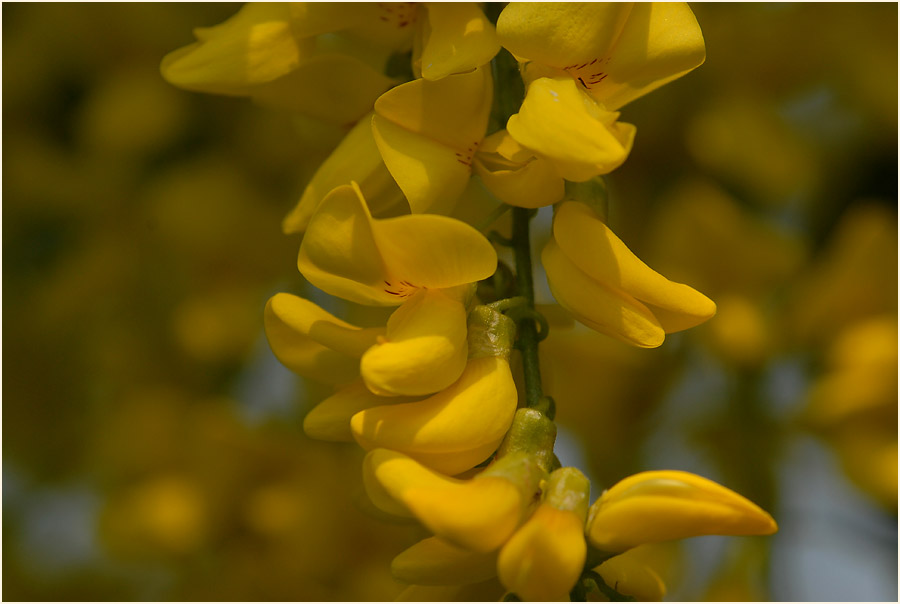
(664, 505)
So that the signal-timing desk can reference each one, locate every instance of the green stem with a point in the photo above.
(527, 329)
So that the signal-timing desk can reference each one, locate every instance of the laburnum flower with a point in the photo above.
(327, 60)
(463, 424)
(599, 280)
(543, 560)
(428, 132)
(272, 52)
(478, 514)
(422, 263)
(582, 62)
(664, 505)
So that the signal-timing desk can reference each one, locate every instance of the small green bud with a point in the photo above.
(491, 333)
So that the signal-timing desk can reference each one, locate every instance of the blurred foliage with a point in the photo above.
(152, 446)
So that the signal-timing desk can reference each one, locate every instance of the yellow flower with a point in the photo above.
(543, 560)
(515, 175)
(428, 132)
(314, 343)
(423, 263)
(599, 280)
(582, 62)
(479, 514)
(271, 53)
(453, 430)
(630, 575)
(665, 505)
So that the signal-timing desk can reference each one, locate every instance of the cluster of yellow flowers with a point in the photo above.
(389, 219)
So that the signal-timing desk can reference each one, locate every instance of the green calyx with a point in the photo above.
(491, 333)
(532, 433)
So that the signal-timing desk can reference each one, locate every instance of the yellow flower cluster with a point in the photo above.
(431, 394)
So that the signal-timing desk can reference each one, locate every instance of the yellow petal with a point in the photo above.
(544, 558)
(478, 514)
(435, 252)
(332, 87)
(427, 133)
(424, 348)
(255, 46)
(347, 253)
(431, 175)
(515, 175)
(596, 250)
(561, 33)
(314, 343)
(665, 505)
(433, 561)
(632, 577)
(458, 39)
(330, 419)
(561, 123)
(608, 311)
(453, 430)
(356, 159)
(661, 41)
(339, 253)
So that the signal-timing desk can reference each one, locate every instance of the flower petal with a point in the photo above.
(255, 46)
(424, 349)
(430, 174)
(633, 577)
(544, 558)
(357, 159)
(562, 123)
(312, 342)
(661, 41)
(349, 254)
(478, 514)
(608, 311)
(596, 250)
(330, 419)
(434, 561)
(560, 34)
(458, 39)
(339, 253)
(665, 505)
(531, 183)
(453, 430)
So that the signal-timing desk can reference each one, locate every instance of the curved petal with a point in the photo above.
(661, 41)
(514, 175)
(339, 253)
(435, 252)
(561, 34)
(349, 254)
(433, 561)
(330, 419)
(431, 175)
(596, 250)
(562, 123)
(665, 505)
(452, 111)
(356, 159)
(424, 348)
(608, 311)
(312, 342)
(458, 427)
(255, 46)
(332, 87)
(544, 558)
(458, 38)
(478, 514)
(632, 577)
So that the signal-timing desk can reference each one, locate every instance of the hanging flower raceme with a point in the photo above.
(583, 61)
(422, 263)
(599, 280)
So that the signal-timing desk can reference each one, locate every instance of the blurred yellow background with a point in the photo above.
(152, 446)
